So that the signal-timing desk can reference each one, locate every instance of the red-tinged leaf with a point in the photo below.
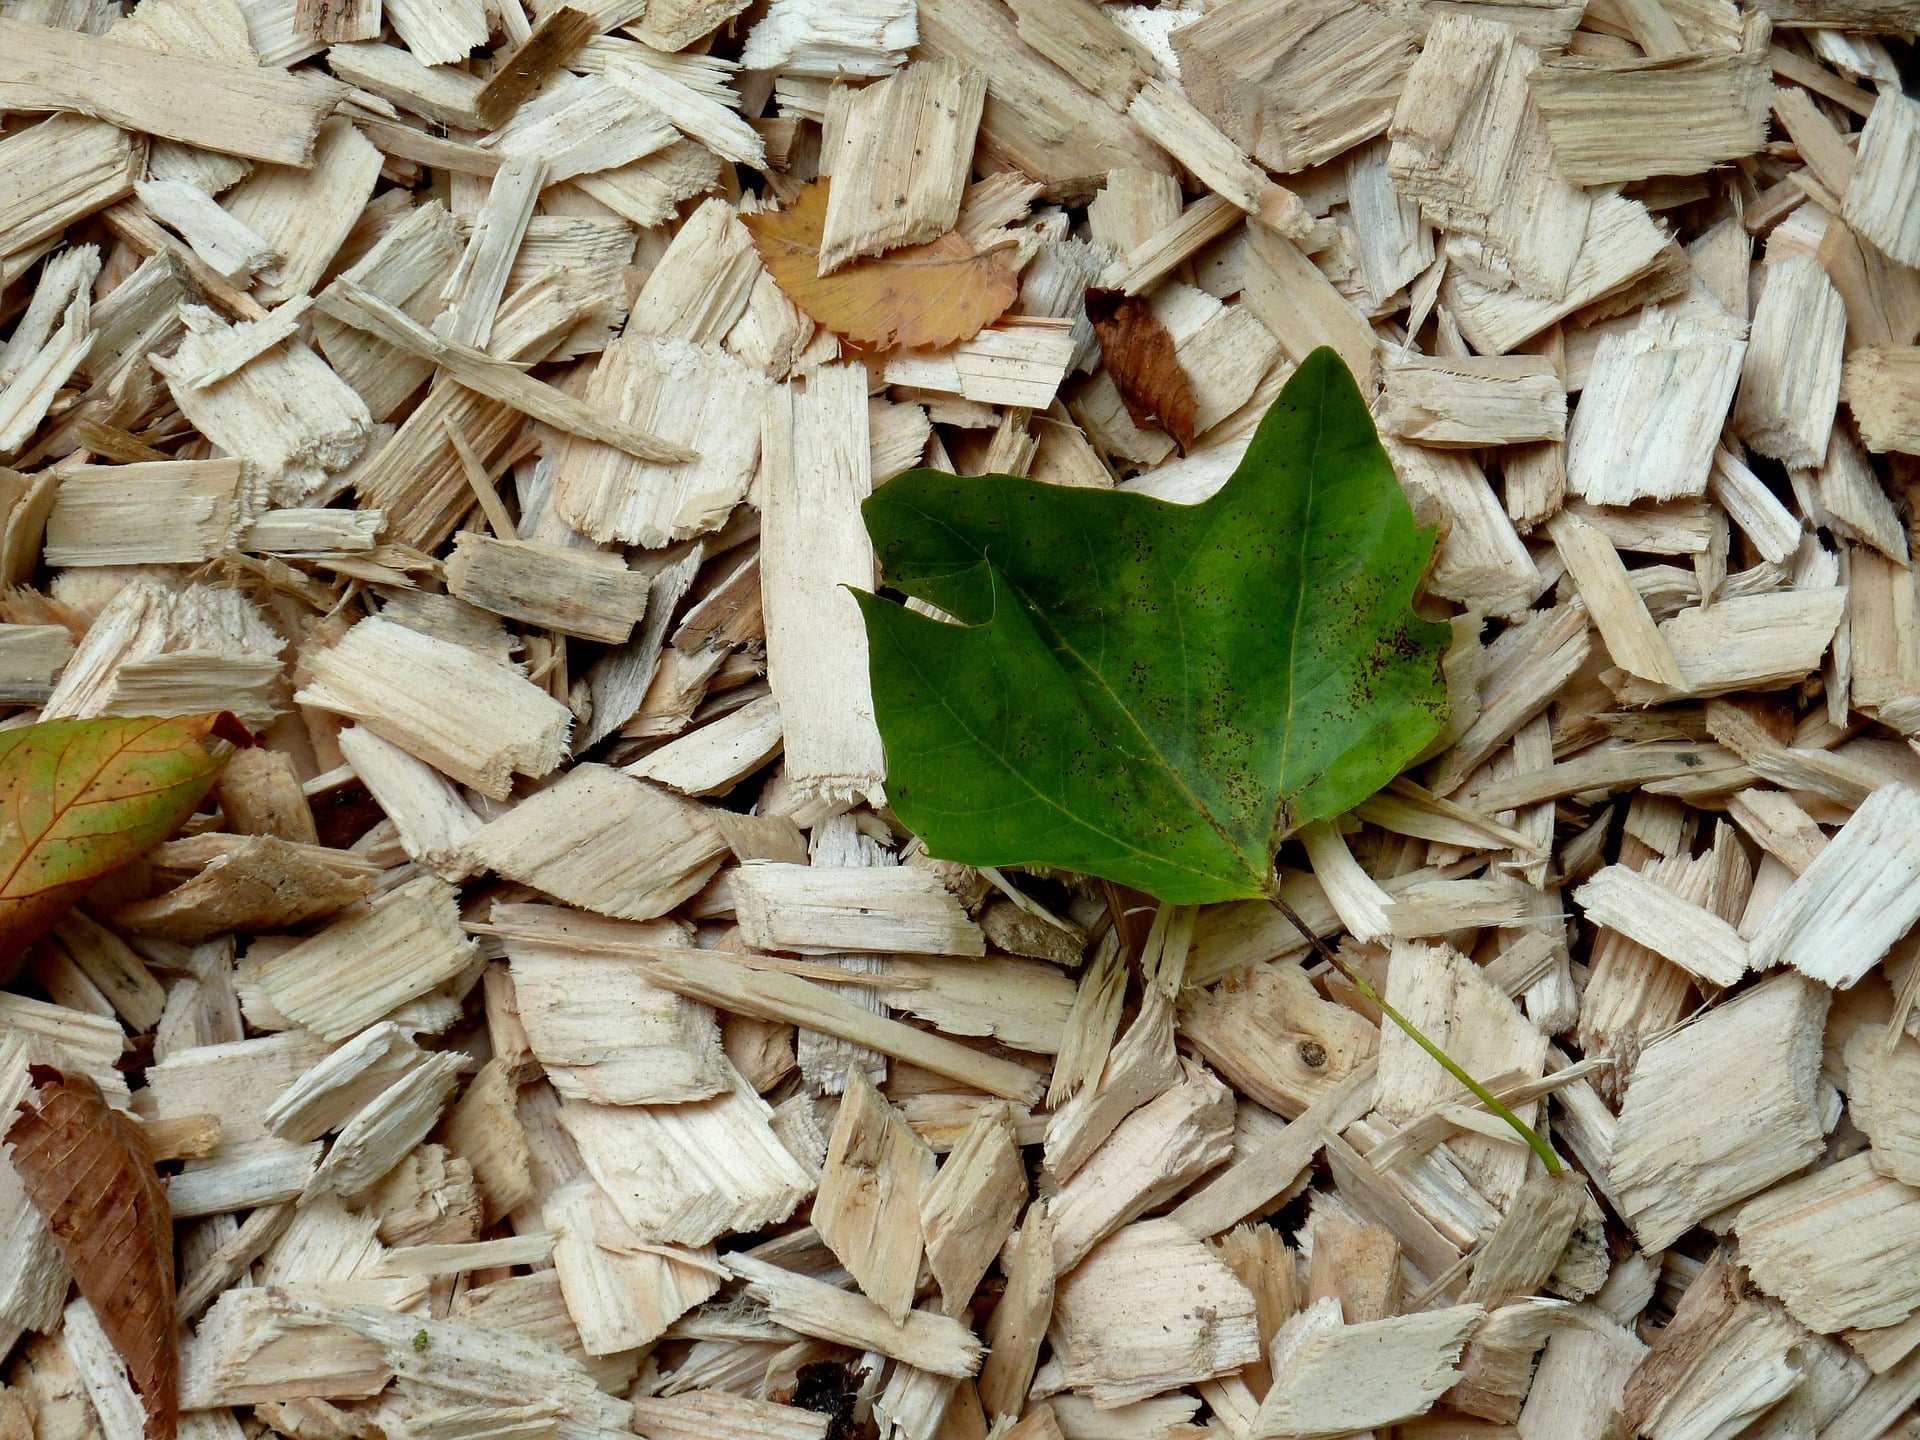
(920, 296)
(81, 798)
(1138, 352)
(87, 1169)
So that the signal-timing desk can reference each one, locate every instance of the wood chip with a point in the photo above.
(814, 910)
(1882, 386)
(1697, 940)
(1880, 199)
(815, 545)
(868, 1205)
(1274, 76)
(425, 696)
(926, 1341)
(1648, 418)
(1790, 379)
(259, 113)
(1678, 1154)
(397, 947)
(1150, 1309)
(897, 159)
(1821, 1243)
(1615, 120)
(651, 1161)
(1860, 882)
(1332, 1377)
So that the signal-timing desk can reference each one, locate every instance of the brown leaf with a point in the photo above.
(88, 1171)
(935, 294)
(1138, 353)
(80, 798)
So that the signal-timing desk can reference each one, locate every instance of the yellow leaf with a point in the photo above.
(920, 296)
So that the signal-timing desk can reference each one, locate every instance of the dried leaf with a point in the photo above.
(80, 798)
(87, 1169)
(1138, 352)
(930, 295)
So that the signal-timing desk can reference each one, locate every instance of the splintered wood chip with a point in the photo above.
(1139, 354)
(88, 1170)
(918, 297)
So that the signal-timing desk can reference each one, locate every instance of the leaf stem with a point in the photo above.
(1359, 982)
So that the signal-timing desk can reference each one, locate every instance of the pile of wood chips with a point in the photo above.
(551, 1035)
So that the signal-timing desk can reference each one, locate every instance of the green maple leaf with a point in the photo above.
(1153, 693)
